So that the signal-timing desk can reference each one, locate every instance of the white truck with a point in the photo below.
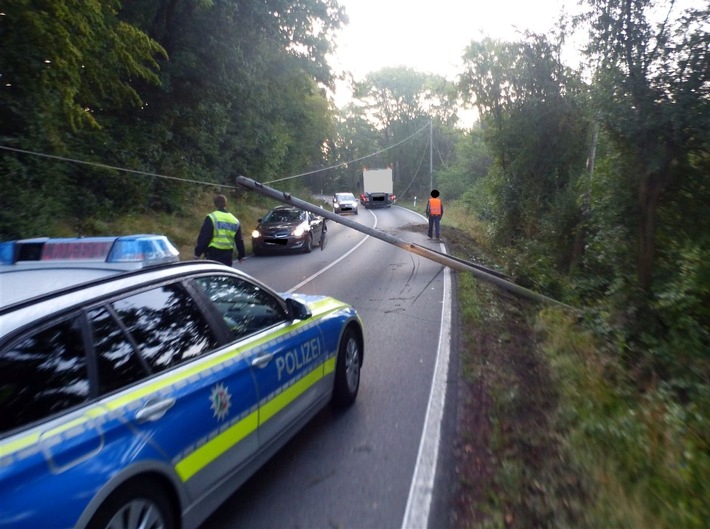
(376, 188)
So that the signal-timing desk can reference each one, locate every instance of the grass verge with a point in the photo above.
(552, 430)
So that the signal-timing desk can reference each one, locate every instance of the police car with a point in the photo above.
(139, 391)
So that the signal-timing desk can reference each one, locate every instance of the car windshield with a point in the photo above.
(284, 215)
(344, 196)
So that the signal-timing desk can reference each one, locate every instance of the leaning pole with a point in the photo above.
(441, 258)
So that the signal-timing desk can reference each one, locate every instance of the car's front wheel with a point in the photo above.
(136, 505)
(347, 369)
(308, 244)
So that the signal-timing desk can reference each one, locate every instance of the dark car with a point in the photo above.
(290, 229)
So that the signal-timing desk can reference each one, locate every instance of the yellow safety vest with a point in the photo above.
(225, 228)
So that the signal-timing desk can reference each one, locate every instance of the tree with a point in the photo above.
(400, 103)
(242, 82)
(198, 89)
(62, 64)
(533, 115)
(652, 89)
(67, 59)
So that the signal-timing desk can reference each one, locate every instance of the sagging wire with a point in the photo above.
(199, 182)
(114, 168)
(345, 164)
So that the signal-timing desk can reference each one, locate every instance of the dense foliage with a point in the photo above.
(194, 89)
(598, 194)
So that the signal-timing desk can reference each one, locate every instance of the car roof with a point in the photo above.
(72, 290)
(32, 267)
(19, 285)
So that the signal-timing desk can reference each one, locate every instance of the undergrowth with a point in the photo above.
(182, 227)
(596, 449)
(646, 452)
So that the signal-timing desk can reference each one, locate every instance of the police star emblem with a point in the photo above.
(221, 401)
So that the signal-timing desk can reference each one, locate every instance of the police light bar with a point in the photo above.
(138, 250)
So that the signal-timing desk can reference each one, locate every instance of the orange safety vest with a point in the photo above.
(434, 206)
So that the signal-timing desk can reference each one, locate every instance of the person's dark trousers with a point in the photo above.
(223, 256)
(434, 225)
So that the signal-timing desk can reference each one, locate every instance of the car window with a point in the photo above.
(43, 374)
(246, 308)
(167, 325)
(284, 215)
(117, 361)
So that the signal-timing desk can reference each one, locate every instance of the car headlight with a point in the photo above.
(256, 234)
(300, 229)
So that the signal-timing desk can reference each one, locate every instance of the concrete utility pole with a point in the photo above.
(431, 155)
(452, 262)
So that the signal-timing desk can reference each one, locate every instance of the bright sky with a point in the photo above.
(431, 36)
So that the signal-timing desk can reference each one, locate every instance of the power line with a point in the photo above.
(106, 166)
(191, 181)
(341, 164)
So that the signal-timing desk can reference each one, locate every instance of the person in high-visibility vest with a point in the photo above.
(434, 210)
(220, 234)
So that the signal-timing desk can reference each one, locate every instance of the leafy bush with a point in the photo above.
(646, 450)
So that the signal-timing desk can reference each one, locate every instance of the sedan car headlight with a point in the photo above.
(300, 229)
(256, 234)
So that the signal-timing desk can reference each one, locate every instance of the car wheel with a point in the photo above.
(347, 369)
(257, 251)
(308, 244)
(136, 505)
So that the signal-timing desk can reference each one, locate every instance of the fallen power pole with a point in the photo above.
(441, 258)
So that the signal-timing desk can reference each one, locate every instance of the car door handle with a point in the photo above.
(263, 360)
(152, 411)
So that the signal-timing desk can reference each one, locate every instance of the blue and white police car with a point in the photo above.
(138, 391)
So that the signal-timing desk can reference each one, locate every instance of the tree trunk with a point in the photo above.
(649, 192)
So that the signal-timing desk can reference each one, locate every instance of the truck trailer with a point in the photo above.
(376, 188)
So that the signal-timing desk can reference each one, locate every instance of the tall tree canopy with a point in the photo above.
(652, 91)
(533, 114)
(191, 88)
(399, 103)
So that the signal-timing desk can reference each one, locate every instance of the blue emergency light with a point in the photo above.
(141, 250)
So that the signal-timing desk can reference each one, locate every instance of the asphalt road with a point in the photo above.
(370, 466)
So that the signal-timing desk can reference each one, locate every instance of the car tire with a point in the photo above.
(347, 369)
(137, 504)
(257, 251)
(308, 244)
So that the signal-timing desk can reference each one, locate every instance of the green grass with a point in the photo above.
(182, 229)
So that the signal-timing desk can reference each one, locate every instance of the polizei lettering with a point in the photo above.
(298, 358)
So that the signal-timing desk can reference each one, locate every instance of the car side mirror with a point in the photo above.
(298, 310)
